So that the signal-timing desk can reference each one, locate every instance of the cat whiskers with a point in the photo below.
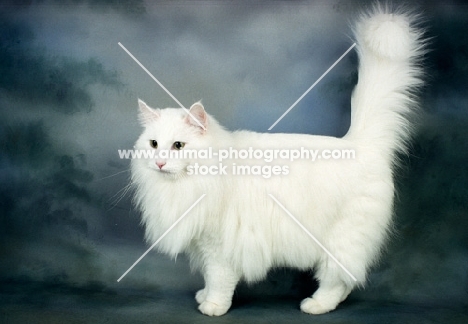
(119, 195)
(113, 175)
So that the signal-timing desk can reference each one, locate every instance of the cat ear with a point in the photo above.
(146, 114)
(198, 116)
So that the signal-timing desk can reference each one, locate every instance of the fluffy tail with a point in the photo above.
(390, 48)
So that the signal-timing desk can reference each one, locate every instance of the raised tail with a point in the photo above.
(390, 48)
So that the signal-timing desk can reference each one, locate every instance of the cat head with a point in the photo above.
(171, 130)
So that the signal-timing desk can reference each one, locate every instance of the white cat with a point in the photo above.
(238, 232)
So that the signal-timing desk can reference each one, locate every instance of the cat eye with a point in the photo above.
(154, 143)
(178, 145)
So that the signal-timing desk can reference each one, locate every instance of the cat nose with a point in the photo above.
(160, 164)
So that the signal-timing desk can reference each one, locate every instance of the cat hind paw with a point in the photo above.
(312, 306)
(212, 309)
(200, 296)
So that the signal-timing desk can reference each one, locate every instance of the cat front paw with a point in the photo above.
(212, 309)
(312, 306)
(200, 296)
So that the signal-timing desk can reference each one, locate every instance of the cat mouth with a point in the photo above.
(164, 171)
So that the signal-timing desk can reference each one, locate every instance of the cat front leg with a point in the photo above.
(216, 298)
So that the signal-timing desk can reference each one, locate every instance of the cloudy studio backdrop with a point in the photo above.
(68, 102)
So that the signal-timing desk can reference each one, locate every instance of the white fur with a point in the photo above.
(237, 232)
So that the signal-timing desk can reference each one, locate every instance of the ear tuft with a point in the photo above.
(146, 114)
(197, 116)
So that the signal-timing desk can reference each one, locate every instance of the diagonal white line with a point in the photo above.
(313, 237)
(162, 236)
(312, 86)
(160, 84)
